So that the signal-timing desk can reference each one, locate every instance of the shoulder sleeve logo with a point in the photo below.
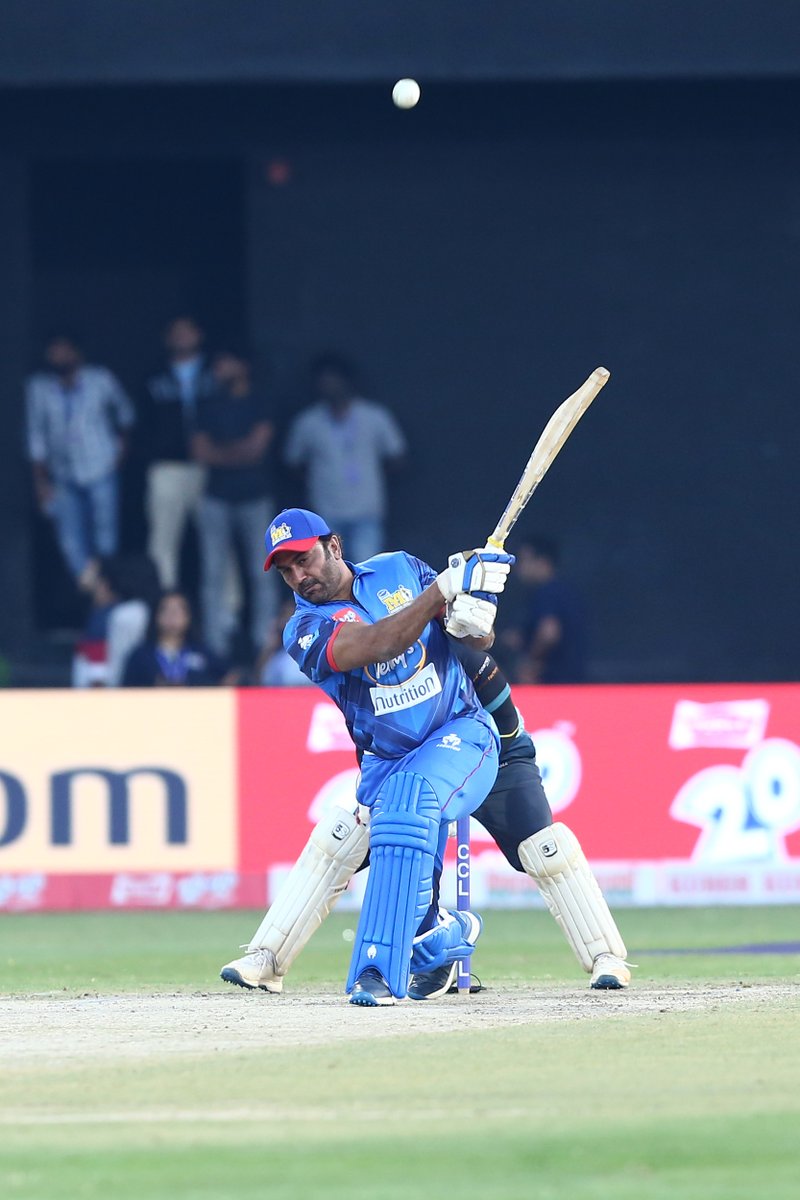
(347, 614)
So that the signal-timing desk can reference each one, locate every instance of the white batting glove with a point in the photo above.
(475, 571)
(469, 616)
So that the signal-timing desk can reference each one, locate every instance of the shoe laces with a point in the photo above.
(616, 959)
(262, 956)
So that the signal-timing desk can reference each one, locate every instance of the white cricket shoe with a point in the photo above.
(257, 969)
(609, 973)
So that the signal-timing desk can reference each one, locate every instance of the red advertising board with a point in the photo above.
(679, 794)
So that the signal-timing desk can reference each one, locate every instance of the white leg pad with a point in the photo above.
(336, 849)
(553, 857)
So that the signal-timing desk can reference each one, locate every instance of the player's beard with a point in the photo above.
(313, 591)
(323, 589)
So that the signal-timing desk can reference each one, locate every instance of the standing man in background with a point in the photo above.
(77, 422)
(554, 632)
(342, 444)
(232, 439)
(174, 482)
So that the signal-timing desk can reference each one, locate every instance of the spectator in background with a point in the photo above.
(124, 595)
(342, 444)
(171, 656)
(552, 640)
(275, 666)
(89, 665)
(77, 422)
(134, 580)
(174, 481)
(232, 439)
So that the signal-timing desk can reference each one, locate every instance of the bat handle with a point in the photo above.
(490, 596)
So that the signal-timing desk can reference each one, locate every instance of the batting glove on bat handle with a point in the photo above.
(475, 571)
(471, 615)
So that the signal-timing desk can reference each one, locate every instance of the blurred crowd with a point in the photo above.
(207, 438)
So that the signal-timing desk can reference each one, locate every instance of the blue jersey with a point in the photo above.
(391, 707)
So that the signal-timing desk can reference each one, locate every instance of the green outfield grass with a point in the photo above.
(638, 1105)
(144, 952)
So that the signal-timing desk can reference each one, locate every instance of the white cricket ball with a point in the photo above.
(406, 93)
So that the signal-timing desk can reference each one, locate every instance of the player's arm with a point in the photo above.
(491, 687)
(354, 645)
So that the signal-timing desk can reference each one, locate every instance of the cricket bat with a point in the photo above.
(554, 435)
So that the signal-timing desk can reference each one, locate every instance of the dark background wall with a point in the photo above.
(478, 256)
(482, 277)
(189, 41)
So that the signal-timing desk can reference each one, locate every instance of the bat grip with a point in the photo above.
(490, 596)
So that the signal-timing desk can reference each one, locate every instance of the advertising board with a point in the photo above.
(204, 798)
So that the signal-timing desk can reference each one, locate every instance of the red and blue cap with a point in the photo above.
(295, 529)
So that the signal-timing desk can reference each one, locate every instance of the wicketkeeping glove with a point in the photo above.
(475, 571)
(470, 616)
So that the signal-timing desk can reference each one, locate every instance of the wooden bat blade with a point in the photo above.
(553, 437)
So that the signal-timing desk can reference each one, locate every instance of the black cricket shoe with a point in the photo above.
(433, 984)
(371, 990)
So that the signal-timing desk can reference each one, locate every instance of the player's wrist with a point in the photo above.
(445, 586)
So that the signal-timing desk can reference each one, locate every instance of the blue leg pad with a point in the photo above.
(451, 940)
(403, 836)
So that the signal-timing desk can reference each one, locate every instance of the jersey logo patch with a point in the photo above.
(403, 666)
(347, 614)
(308, 640)
(450, 741)
(400, 598)
(424, 685)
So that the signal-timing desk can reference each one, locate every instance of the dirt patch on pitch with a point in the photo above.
(58, 1028)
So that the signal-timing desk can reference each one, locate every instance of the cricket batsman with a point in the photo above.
(517, 815)
(369, 635)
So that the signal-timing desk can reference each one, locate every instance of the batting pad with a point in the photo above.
(404, 833)
(446, 943)
(553, 857)
(338, 845)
